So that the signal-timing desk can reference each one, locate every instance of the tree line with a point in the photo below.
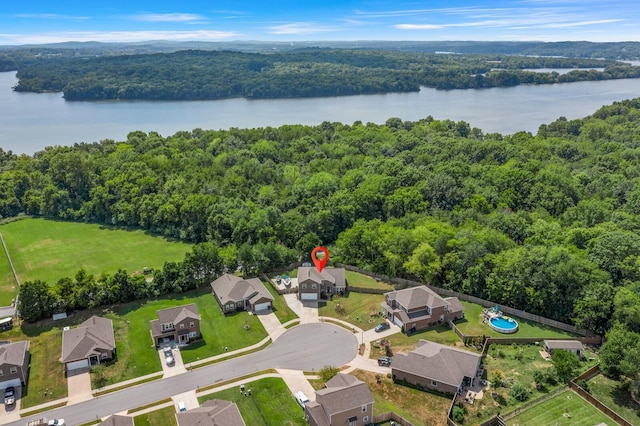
(312, 72)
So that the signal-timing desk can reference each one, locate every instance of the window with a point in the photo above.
(314, 286)
(13, 370)
(303, 286)
(192, 334)
(434, 383)
(167, 326)
(365, 419)
(104, 355)
(192, 324)
(1, 373)
(364, 408)
(181, 325)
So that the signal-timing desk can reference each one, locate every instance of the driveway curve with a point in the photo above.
(307, 347)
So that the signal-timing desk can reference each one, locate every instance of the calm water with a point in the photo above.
(29, 121)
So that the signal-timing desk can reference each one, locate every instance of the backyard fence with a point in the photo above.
(390, 415)
(368, 290)
(403, 283)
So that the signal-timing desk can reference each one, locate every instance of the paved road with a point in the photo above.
(304, 347)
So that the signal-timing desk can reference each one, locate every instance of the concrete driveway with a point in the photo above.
(11, 413)
(271, 324)
(79, 386)
(175, 369)
(307, 314)
(296, 381)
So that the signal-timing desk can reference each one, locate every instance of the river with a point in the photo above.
(29, 122)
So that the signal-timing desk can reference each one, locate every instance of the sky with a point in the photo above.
(47, 21)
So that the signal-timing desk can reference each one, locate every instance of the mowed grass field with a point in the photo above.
(8, 286)
(566, 408)
(49, 250)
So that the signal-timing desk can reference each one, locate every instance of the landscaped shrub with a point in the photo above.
(458, 414)
(519, 392)
(583, 384)
(328, 372)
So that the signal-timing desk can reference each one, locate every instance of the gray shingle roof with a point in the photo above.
(214, 412)
(332, 275)
(14, 353)
(230, 288)
(178, 314)
(117, 420)
(564, 344)
(90, 337)
(417, 297)
(345, 393)
(438, 362)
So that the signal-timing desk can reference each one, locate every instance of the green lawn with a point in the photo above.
(280, 307)
(400, 342)
(360, 280)
(136, 353)
(472, 325)
(49, 250)
(357, 309)
(8, 287)
(270, 403)
(614, 395)
(163, 417)
(566, 408)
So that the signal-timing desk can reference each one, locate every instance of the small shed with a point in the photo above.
(574, 346)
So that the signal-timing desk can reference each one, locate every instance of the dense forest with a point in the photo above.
(312, 72)
(547, 223)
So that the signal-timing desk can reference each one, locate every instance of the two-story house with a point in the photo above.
(180, 324)
(417, 308)
(91, 343)
(344, 401)
(214, 412)
(14, 364)
(314, 285)
(238, 294)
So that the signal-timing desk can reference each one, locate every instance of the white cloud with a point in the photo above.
(300, 28)
(418, 27)
(50, 16)
(169, 17)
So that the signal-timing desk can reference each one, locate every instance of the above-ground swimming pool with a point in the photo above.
(503, 325)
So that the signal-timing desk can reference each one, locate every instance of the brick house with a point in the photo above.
(14, 364)
(417, 308)
(432, 366)
(91, 343)
(314, 285)
(344, 401)
(237, 294)
(180, 324)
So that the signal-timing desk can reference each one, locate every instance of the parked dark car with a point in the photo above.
(384, 361)
(168, 357)
(10, 396)
(382, 326)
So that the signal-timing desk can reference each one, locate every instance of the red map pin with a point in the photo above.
(320, 262)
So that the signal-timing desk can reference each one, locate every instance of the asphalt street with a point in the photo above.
(305, 347)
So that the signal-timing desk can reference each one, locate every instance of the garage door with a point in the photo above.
(308, 296)
(397, 322)
(262, 306)
(13, 382)
(77, 364)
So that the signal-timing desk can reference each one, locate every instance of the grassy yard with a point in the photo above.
(136, 353)
(420, 408)
(163, 417)
(357, 309)
(566, 408)
(8, 287)
(49, 250)
(360, 280)
(280, 307)
(402, 343)
(270, 403)
(472, 325)
(614, 395)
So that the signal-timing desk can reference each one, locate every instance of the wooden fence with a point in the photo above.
(390, 415)
(368, 290)
(594, 371)
(403, 283)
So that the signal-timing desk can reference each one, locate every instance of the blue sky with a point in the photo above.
(40, 21)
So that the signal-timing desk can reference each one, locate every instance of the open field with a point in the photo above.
(472, 325)
(420, 408)
(357, 309)
(280, 307)
(49, 250)
(163, 417)
(566, 408)
(614, 395)
(359, 280)
(8, 286)
(270, 403)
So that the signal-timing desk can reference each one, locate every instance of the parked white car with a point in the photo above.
(301, 398)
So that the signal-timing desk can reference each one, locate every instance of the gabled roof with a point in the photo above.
(331, 275)
(91, 337)
(564, 344)
(214, 412)
(117, 420)
(14, 353)
(438, 362)
(343, 393)
(231, 288)
(178, 314)
(417, 297)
